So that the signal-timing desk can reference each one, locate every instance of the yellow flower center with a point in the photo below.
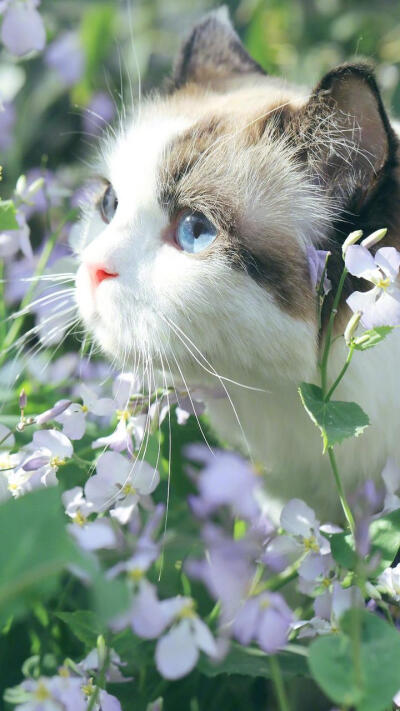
(41, 692)
(5, 461)
(123, 415)
(382, 282)
(264, 603)
(79, 518)
(64, 672)
(135, 574)
(85, 408)
(56, 462)
(128, 489)
(88, 688)
(310, 544)
(187, 611)
(326, 582)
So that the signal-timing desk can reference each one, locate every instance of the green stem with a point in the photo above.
(2, 304)
(342, 495)
(281, 579)
(100, 681)
(329, 330)
(341, 374)
(41, 266)
(278, 684)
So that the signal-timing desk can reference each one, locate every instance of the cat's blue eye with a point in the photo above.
(195, 232)
(108, 204)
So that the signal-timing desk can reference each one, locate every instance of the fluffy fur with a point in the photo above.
(275, 169)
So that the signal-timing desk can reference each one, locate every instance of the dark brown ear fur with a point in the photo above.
(346, 134)
(213, 53)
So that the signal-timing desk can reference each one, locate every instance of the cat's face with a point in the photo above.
(194, 251)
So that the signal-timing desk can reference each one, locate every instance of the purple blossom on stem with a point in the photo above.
(316, 259)
(7, 122)
(65, 55)
(22, 30)
(51, 450)
(266, 619)
(13, 241)
(226, 480)
(99, 113)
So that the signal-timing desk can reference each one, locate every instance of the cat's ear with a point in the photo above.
(213, 53)
(347, 134)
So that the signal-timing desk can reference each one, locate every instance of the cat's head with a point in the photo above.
(195, 247)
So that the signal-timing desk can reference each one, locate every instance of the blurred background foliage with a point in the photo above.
(109, 44)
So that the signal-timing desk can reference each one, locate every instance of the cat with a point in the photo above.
(193, 253)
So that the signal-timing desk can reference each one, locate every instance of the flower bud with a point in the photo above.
(58, 408)
(35, 186)
(374, 238)
(352, 327)
(21, 185)
(22, 399)
(351, 239)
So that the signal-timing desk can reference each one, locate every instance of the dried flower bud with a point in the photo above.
(351, 239)
(374, 238)
(22, 399)
(352, 327)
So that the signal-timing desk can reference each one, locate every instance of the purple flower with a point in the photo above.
(305, 540)
(73, 418)
(7, 121)
(64, 692)
(316, 263)
(227, 571)
(226, 480)
(329, 608)
(121, 484)
(53, 412)
(266, 619)
(23, 30)
(99, 113)
(65, 55)
(51, 450)
(380, 306)
(92, 663)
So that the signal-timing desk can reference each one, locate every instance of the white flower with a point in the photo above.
(178, 650)
(389, 582)
(51, 450)
(120, 483)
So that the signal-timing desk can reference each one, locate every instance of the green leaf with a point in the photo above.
(384, 535)
(359, 665)
(85, 625)
(372, 337)
(35, 549)
(342, 549)
(250, 661)
(8, 220)
(336, 420)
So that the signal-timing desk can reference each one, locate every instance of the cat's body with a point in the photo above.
(264, 170)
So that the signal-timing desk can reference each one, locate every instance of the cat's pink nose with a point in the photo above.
(99, 273)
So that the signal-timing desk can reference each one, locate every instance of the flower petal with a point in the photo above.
(360, 262)
(298, 518)
(176, 652)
